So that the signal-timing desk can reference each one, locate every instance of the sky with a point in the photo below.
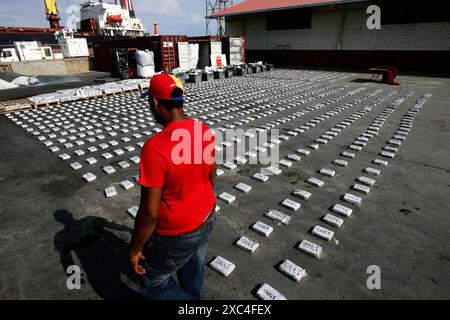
(173, 16)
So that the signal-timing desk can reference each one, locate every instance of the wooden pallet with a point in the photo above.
(46, 105)
(6, 105)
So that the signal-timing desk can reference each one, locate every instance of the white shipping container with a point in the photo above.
(74, 47)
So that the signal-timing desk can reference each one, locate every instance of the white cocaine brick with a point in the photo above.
(271, 170)
(91, 160)
(367, 181)
(247, 245)
(333, 220)
(302, 194)
(107, 155)
(76, 166)
(381, 163)
(133, 211)
(390, 148)
(350, 198)
(321, 141)
(266, 292)
(136, 178)
(260, 149)
(79, 153)
(360, 143)
(314, 146)
(109, 169)
(361, 188)
(285, 163)
(291, 270)
(323, 233)
(262, 228)
(123, 164)
(355, 148)
(119, 152)
(399, 137)
(130, 148)
(243, 187)
(278, 216)
(303, 152)
(64, 156)
(293, 157)
(363, 139)
(372, 171)
(260, 177)
(226, 197)
(340, 162)
(315, 182)
(347, 154)
(292, 205)
(342, 210)
(54, 149)
(217, 208)
(127, 184)
(229, 165)
(103, 146)
(327, 172)
(222, 266)
(387, 154)
(240, 160)
(310, 248)
(135, 159)
(250, 154)
(92, 149)
(89, 177)
(395, 142)
(110, 192)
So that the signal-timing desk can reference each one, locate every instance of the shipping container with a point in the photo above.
(234, 49)
(208, 45)
(164, 47)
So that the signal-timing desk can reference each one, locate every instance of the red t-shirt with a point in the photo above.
(179, 160)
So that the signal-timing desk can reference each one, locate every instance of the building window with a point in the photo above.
(289, 19)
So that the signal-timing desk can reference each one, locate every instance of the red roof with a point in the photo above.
(251, 6)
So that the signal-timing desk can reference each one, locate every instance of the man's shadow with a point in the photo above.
(103, 256)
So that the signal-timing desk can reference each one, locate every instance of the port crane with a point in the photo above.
(51, 10)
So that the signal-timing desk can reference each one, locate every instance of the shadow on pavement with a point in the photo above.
(103, 256)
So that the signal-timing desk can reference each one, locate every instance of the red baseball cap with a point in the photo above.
(162, 86)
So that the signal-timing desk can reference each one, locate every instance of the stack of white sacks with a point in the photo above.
(145, 64)
(193, 55)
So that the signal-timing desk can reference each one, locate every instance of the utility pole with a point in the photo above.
(213, 6)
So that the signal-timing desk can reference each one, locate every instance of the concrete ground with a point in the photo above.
(51, 218)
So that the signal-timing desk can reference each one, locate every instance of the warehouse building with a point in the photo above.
(334, 33)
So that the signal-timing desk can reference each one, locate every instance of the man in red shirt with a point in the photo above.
(176, 212)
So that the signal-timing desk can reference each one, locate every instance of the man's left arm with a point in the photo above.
(144, 225)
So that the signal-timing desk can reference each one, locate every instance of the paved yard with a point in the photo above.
(52, 218)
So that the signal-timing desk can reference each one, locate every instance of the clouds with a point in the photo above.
(165, 7)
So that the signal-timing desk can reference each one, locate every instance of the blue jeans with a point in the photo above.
(184, 255)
